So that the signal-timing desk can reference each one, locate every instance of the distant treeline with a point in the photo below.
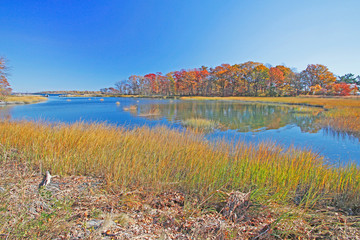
(75, 92)
(246, 79)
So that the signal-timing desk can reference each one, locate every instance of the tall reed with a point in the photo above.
(161, 158)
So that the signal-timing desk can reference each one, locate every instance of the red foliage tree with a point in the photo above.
(342, 89)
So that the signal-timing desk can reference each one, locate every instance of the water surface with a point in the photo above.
(249, 122)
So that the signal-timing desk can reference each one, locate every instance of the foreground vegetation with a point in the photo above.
(161, 158)
(77, 207)
(293, 183)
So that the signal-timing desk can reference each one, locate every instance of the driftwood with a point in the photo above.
(46, 180)
(236, 205)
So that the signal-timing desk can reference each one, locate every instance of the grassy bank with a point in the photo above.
(24, 99)
(160, 158)
(343, 113)
(327, 102)
(163, 181)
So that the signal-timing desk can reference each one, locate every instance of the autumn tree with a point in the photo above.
(342, 89)
(180, 82)
(247, 75)
(260, 75)
(122, 87)
(291, 84)
(222, 76)
(5, 89)
(171, 81)
(276, 81)
(318, 76)
(245, 79)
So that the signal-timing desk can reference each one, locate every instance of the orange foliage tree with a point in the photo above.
(317, 74)
(245, 79)
(5, 89)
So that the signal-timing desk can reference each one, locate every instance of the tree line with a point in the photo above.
(245, 79)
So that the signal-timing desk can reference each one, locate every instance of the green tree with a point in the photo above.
(348, 78)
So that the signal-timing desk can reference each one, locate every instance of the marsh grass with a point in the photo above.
(311, 101)
(200, 124)
(160, 158)
(151, 113)
(131, 108)
(25, 99)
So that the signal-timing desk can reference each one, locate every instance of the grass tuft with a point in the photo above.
(200, 124)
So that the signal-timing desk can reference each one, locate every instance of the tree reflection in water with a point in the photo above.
(5, 112)
(243, 117)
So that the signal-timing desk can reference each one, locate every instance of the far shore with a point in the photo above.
(324, 102)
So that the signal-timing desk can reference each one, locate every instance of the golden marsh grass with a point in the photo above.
(161, 158)
(25, 99)
(200, 124)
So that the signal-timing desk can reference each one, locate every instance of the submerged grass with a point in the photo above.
(161, 158)
(130, 108)
(200, 124)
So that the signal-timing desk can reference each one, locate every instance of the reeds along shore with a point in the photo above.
(343, 113)
(159, 158)
(25, 99)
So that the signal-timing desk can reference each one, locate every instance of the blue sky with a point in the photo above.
(88, 45)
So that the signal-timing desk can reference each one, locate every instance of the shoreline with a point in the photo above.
(262, 102)
(23, 100)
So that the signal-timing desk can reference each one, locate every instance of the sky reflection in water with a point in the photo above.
(239, 121)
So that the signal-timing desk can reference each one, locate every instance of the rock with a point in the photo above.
(94, 223)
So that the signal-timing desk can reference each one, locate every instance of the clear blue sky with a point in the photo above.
(88, 45)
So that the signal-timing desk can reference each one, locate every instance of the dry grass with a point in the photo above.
(151, 113)
(131, 108)
(160, 158)
(162, 181)
(200, 124)
(25, 99)
(77, 207)
(317, 101)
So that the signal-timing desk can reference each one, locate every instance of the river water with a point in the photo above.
(250, 122)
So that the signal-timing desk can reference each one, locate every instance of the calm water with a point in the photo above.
(245, 121)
